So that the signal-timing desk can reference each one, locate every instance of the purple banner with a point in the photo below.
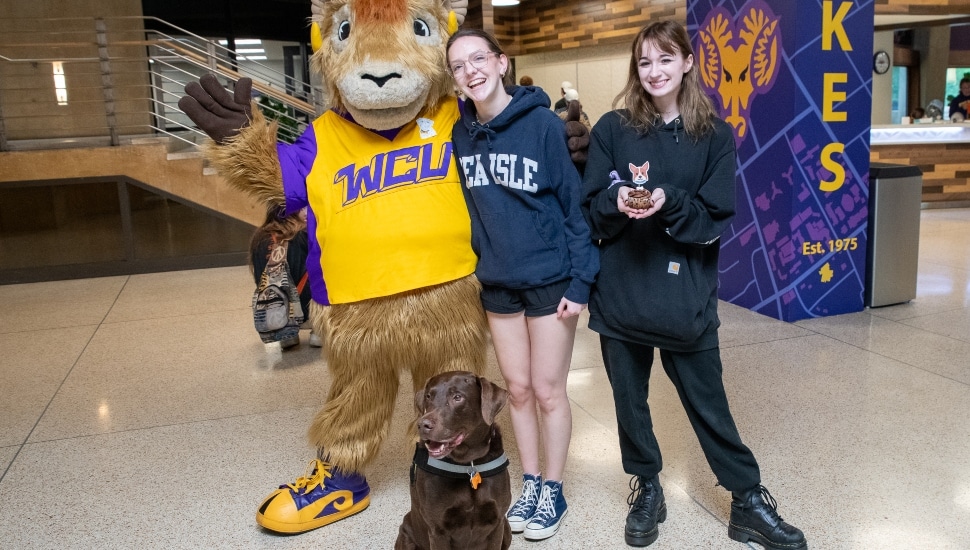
(794, 79)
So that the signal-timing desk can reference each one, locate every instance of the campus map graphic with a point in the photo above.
(797, 246)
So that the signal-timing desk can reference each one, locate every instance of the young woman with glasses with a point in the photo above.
(536, 261)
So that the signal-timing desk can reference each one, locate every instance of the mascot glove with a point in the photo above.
(214, 111)
(577, 134)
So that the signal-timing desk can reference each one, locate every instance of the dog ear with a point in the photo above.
(419, 401)
(494, 399)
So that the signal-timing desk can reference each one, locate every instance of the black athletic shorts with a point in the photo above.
(536, 302)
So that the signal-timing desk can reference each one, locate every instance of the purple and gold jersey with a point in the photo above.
(389, 215)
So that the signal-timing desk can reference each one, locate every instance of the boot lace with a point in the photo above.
(315, 475)
(640, 493)
(526, 503)
(770, 501)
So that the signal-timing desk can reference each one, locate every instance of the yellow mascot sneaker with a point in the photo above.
(319, 498)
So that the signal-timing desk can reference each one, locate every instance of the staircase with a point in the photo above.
(148, 161)
(84, 98)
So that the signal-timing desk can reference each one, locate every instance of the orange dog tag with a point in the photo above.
(476, 479)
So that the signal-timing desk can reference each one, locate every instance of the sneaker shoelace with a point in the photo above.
(524, 506)
(546, 510)
(639, 494)
(316, 473)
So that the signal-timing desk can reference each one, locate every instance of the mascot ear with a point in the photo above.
(457, 10)
(316, 39)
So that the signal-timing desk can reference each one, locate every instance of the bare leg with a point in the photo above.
(510, 336)
(552, 350)
(534, 355)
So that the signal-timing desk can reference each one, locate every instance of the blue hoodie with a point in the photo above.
(524, 195)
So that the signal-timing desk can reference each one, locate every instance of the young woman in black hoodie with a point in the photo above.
(536, 260)
(657, 287)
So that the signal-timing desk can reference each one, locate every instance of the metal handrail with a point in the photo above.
(124, 78)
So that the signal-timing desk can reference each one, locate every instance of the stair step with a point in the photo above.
(184, 155)
(149, 140)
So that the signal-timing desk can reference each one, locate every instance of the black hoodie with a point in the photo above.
(658, 282)
(523, 194)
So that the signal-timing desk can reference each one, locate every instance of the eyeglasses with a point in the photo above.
(478, 60)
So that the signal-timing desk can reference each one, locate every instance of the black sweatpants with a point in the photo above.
(697, 377)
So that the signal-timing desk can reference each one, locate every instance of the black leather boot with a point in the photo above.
(647, 509)
(754, 517)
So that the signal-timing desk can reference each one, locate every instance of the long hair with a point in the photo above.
(508, 79)
(696, 110)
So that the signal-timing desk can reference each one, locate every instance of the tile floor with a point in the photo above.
(143, 412)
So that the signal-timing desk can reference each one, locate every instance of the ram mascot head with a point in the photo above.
(383, 61)
(737, 67)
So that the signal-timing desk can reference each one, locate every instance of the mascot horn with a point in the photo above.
(391, 266)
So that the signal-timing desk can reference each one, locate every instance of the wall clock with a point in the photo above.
(881, 62)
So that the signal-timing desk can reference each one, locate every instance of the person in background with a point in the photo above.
(961, 102)
(536, 260)
(526, 80)
(657, 289)
(561, 104)
(574, 109)
(290, 229)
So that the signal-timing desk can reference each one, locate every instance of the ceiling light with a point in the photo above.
(503, 3)
(243, 42)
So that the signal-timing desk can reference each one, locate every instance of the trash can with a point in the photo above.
(895, 194)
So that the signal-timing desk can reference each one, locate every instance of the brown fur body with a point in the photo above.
(368, 344)
(448, 513)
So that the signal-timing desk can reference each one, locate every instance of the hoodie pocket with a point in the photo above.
(514, 250)
(653, 293)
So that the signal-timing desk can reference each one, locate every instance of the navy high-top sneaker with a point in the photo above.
(550, 512)
(524, 507)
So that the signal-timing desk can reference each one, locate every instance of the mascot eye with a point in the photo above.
(728, 77)
(421, 28)
(343, 30)
(744, 74)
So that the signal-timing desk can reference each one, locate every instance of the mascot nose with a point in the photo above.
(381, 80)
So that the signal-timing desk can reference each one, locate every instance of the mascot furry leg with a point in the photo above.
(417, 332)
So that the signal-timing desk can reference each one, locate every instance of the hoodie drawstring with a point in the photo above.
(676, 122)
(481, 129)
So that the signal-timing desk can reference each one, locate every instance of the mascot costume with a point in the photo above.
(390, 235)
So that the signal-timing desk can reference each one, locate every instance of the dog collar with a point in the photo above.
(473, 472)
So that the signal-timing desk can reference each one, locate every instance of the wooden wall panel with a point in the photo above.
(922, 7)
(550, 25)
(945, 166)
(536, 26)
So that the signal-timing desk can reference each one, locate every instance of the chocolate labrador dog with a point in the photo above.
(460, 487)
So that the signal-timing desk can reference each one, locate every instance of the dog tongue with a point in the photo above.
(439, 449)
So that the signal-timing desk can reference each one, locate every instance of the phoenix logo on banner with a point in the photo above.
(738, 59)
